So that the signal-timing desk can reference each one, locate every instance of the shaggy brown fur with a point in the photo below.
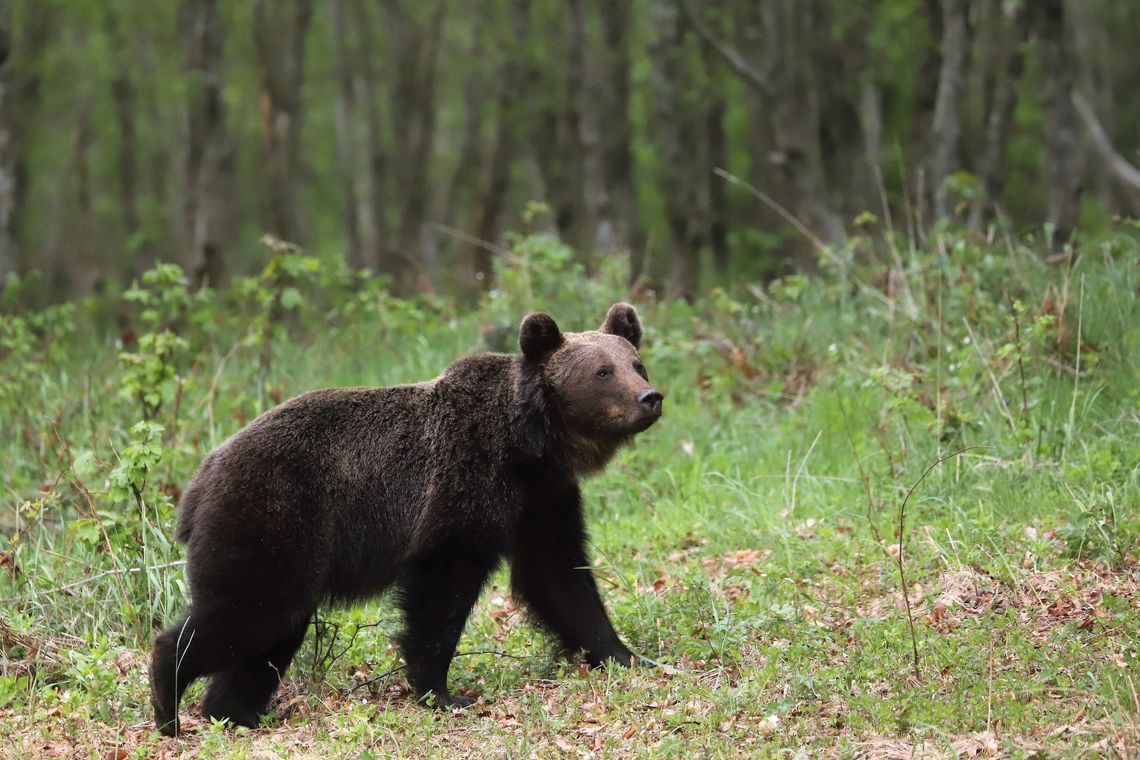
(339, 494)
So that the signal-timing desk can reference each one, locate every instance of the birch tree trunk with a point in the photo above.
(991, 171)
(460, 193)
(795, 115)
(7, 155)
(496, 184)
(946, 127)
(1062, 160)
(123, 95)
(348, 148)
(416, 44)
(677, 139)
(280, 29)
(586, 87)
(210, 159)
(374, 160)
(616, 131)
(20, 96)
(717, 158)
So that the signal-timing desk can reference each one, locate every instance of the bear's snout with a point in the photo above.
(650, 400)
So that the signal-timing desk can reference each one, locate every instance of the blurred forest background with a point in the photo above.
(409, 135)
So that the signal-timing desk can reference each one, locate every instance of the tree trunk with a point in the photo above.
(497, 183)
(586, 87)
(945, 127)
(348, 149)
(991, 170)
(162, 169)
(554, 81)
(871, 124)
(279, 32)
(75, 261)
(795, 115)
(416, 45)
(209, 152)
(1097, 63)
(495, 194)
(677, 138)
(20, 95)
(1062, 161)
(123, 95)
(460, 192)
(717, 159)
(922, 115)
(7, 162)
(371, 211)
(616, 132)
(787, 83)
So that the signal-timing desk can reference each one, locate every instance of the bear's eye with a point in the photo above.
(604, 372)
(639, 368)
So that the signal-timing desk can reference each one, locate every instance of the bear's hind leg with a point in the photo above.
(437, 594)
(241, 692)
(182, 654)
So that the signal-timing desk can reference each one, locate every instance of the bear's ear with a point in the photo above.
(622, 320)
(539, 335)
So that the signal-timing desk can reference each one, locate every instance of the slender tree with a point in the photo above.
(616, 130)
(496, 179)
(478, 94)
(415, 35)
(209, 151)
(280, 31)
(786, 81)
(1062, 159)
(7, 155)
(715, 109)
(946, 126)
(348, 142)
(678, 140)
(554, 77)
(373, 161)
(125, 99)
(21, 51)
(586, 88)
(1009, 64)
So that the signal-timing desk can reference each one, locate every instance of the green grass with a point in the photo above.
(748, 542)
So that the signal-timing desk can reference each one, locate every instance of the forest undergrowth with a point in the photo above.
(891, 510)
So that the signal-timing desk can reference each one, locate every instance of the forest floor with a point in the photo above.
(750, 542)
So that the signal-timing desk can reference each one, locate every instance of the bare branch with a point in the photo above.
(1117, 164)
(744, 69)
(92, 579)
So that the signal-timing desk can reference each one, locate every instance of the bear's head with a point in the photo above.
(589, 391)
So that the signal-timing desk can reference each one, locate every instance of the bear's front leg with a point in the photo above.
(551, 574)
(438, 591)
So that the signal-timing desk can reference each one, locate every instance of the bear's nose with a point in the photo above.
(650, 399)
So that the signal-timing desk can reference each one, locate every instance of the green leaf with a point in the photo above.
(291, 298)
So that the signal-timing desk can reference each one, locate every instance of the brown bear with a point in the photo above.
(339, 494)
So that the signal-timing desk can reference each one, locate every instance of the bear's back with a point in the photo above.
(320, 445)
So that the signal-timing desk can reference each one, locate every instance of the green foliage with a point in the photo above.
(165, 306)
(13, 690)
(744, 541)
(274, 297)
(163, 297)
(136, 461)
(543, 270)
